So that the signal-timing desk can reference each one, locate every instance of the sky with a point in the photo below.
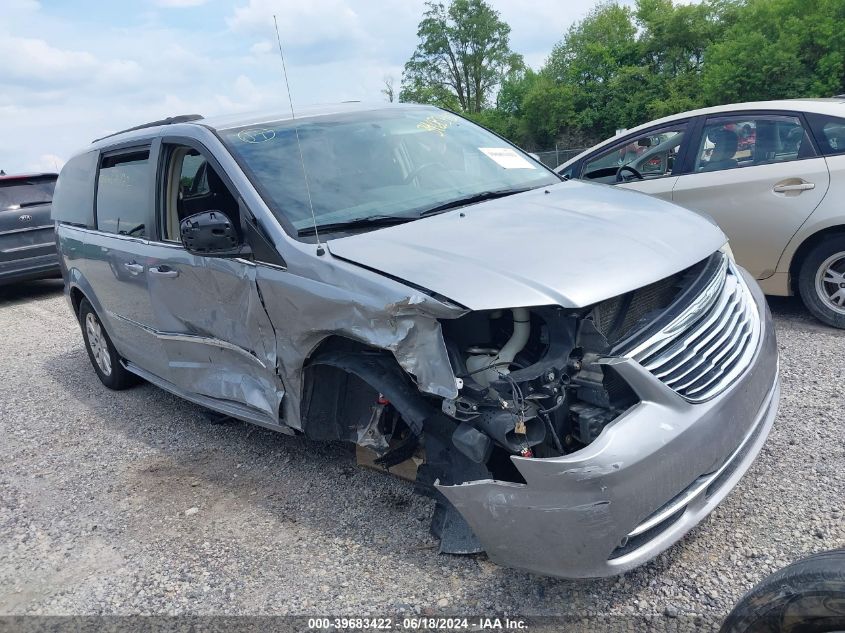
(75, 70)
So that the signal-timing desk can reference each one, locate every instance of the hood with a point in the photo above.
(572, 244)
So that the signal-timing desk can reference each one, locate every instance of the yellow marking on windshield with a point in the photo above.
(435, 124)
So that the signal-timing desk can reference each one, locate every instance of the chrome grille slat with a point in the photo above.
(710, 343)
(726, 346)
(697, 344)
(720, 344)
(726, 302)
(726, 366)
(699, 305)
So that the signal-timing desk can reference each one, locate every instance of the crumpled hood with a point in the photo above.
(572, 244)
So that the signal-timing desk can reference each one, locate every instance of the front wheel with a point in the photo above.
(821, 281)
(100, 350)
(808, 596)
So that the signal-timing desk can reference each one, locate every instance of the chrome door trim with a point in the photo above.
(192, 338)
(127, 238)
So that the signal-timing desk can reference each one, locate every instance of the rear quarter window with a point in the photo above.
(73, 198)
(829, 132)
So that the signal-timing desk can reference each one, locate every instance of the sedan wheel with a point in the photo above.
(830, 282)
(821, 281)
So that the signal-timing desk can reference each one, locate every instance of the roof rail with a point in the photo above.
(182, 118)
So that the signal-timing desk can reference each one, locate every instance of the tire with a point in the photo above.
(101, 352)
(825, 261)
(808, 596)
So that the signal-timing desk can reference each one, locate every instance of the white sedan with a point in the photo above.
(770, 173)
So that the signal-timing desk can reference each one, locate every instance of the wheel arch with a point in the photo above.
(342, 372)
(76, 297)
(809, 243)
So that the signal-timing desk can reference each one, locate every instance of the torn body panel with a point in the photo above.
(215, 332)
(305, 312)
(592, 513)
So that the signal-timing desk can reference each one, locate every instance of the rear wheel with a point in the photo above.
(821, 281)
(100, 350)
(808, 596)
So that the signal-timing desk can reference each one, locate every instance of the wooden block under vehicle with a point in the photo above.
(406, 470)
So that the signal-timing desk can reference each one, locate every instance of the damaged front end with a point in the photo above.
(565, 432)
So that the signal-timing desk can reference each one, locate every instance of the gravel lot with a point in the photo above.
(134, 502)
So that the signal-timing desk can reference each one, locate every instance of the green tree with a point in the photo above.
(591, 55)
(462, 57)
(624, 65)
(674, 41)
(778, 49)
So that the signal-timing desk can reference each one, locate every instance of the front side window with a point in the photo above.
(394, 163)
(650, 155)
(123, 194)
(733, 142)
(193, 186)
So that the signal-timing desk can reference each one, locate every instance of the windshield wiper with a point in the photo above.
(357, 223)
(476, 197)
(33, 204)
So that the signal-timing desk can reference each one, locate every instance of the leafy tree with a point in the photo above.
(462, 57)
(623, 65)
(778, 49)
(591, 55)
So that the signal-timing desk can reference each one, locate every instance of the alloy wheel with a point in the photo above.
(97, 343)
(830, 282)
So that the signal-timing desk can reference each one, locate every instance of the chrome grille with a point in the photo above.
(710, 343)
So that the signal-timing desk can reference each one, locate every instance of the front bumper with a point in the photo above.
(651, 476)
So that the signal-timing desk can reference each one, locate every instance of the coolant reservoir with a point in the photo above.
(476, 365)
(496, 361)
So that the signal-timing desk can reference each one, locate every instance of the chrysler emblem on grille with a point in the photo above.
(24, 218)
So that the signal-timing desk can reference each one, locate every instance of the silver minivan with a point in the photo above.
(584, 373)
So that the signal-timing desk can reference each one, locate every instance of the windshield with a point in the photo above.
(382, 164)
(22, 193)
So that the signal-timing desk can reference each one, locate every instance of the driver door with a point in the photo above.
(216, 334)
(647, 161)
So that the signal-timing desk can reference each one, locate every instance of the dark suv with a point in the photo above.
(27, 239)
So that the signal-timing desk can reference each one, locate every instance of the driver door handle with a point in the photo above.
(797, 187)
(164, 271)
(133, 268)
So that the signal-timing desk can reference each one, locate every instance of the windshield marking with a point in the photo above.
(506, 157)
(259, 135)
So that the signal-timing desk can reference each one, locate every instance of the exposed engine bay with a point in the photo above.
(530, 384)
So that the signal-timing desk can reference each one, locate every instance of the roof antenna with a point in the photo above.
(320, 249)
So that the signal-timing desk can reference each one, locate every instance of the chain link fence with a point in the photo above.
(557, 156)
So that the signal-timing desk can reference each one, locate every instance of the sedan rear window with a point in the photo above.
(26, 192)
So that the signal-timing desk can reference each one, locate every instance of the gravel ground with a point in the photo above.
(134, 503)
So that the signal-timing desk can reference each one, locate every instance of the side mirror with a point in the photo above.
(210, 233)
